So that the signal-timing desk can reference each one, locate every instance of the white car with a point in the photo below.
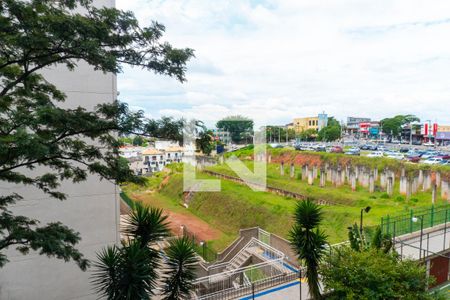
(433, 161)
(375, 154)
(396, 155)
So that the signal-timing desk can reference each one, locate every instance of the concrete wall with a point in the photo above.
(92, 207)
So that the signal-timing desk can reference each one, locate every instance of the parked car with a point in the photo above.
(395, 155)
(337, 149)
(404, 150)
(433, 161)
(413, 159)
(445, 163)
(353, 151)
(375, 154)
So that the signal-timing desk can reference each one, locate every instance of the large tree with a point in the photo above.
(393, 126)
(331, 132)
(372, 274)
(239, 127)
(37, 133)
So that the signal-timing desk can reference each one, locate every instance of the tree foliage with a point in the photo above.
(239, 127)
(132, 271)
(37, 131)
(308, 135)
(180, 270)
(309, 242)
(166, 128)
(275, 133)
(331, 132)
(374, 240)
(372, 274)
(393, 126)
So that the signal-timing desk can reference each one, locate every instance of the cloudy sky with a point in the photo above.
(276, 60)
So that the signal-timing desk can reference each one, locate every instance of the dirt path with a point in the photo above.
(195, 225)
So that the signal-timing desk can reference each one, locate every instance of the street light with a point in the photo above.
(415, 219)
(367, 209)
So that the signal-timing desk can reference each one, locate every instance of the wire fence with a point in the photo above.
(415, 219)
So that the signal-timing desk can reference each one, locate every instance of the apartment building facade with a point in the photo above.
(91, 207)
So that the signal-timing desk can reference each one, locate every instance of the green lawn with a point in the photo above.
(236, 206)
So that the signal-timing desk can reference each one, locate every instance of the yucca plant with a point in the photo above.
(180, 270)
(126, 273)
(130, 272)
(146, 224)
(309, 242)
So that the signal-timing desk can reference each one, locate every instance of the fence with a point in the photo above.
(411, 221)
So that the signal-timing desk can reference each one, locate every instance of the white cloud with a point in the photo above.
(274, 60)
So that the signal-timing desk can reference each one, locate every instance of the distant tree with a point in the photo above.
(138, 140)
(372, 274)
(166, 128)
(125, 141)
(331, 132)
(281, 132)
(205, 142)
(180, 270)
(238, 127)
(308, 241)
(37, 131)
(308, 135)
(393, 126)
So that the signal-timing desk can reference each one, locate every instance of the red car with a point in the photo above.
(413, 159)
(337, 149)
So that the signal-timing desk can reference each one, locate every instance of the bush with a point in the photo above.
(384, 196)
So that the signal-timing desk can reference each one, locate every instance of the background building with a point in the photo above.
(91, 208)
(302, 124)
(352, 126)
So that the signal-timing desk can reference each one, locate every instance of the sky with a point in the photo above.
(276, 60)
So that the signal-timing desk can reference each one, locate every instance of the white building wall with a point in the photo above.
(92, 207)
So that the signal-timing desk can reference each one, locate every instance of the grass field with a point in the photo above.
(237, 206)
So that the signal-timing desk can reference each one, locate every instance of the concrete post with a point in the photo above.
(322, 177)
(445, 190)
(420, 177)
(371, 183)
(390, 186)
(315, 173)
(403, 183)
(408, 189)
(375, 174)
(310, 177)
(304, 172)
(383, 180)
(282, 168)
(438, 179)
(269, 158)
(353, 181)
(292, 173)
(434, 194)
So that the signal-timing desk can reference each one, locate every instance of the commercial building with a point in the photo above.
(352, 126)
(91, 207)
(303, 124)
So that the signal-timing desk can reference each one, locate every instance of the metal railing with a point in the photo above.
(405, 223)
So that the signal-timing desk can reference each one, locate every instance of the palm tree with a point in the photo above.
(129, 272)
(180, 271)
(309, 242)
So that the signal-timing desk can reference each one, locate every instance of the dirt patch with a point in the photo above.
(195, 225)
